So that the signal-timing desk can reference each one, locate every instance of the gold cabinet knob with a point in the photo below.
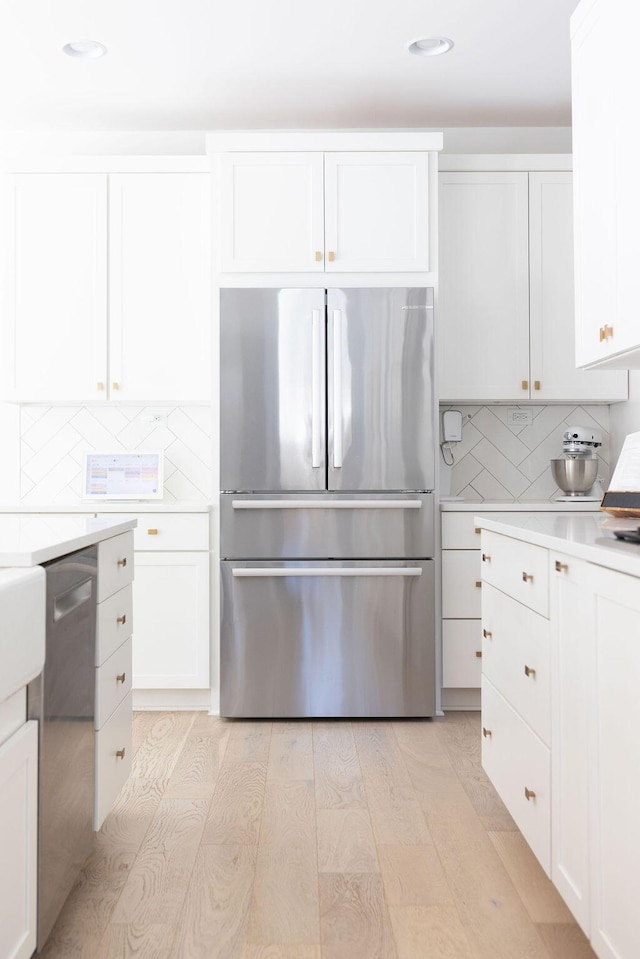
(121, 678)
(318, 256)
(561, 567)
(525, 384)
(527, 577)
(529, 671)
(478, 654)
(477, 530)
(478, 583)
(100, 387)
(487, 633)
(536, 384)
(122, 562)
(606, 332)
(486, 558)
(121, 620)
(529, 794)
(331, 256)
(120, 753)
(486, 732)
(115, 386)
(152, 532)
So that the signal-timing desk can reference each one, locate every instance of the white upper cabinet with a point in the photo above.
(324, 212)
(605, 77)
(53, 286)
(483, 312)
(159, 286)
(105, 285)
(506, 317)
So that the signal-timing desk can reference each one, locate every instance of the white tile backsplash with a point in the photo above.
(497, 461)
(53, 440)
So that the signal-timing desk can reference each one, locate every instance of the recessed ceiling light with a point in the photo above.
(430, 46)
(84, 49)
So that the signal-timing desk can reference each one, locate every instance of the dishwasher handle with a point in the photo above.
(65, 603)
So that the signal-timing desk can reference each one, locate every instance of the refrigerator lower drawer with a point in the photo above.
(327, 639)
(348, 525)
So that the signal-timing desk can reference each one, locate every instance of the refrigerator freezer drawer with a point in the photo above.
(349, 526)
(327, 639)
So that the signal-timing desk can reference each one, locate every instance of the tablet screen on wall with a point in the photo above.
(122, 476)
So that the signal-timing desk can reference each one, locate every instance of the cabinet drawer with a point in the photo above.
(518, 569)
(461, 578)
(515, 759)
(113, 683)
(170, 531)
(461, 644)
(460, 531)
(112, 770)
(115, 564)
(115, 620)
(516, 658)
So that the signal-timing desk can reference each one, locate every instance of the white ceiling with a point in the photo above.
(208, 64)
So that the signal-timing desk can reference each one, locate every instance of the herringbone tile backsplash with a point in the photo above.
(54, 438)
(496, 461)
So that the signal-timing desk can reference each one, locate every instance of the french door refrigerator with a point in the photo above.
(327, 517)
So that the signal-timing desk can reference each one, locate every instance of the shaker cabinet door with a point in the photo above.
(53, 286)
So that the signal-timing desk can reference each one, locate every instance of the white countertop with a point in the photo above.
(575, 534)
(31, 539)
(531, 506)
(125, 506)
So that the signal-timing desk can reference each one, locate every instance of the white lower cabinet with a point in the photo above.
(18, 842)
(113, 758)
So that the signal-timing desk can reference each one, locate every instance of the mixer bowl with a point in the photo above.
(575, 477)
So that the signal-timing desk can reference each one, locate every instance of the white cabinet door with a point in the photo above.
(53, 286)
(376, 212)
(614, 710)
(553, 372)
(171, 628)
(483, 314)
(572, 649)
(271, 212)
(159, 287)
(18, 842)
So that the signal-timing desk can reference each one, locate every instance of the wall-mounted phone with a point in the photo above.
(451, 433)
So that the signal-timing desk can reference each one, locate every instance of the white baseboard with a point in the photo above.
(453, 699)
(172, 699)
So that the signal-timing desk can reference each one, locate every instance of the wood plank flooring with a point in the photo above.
(311, 840)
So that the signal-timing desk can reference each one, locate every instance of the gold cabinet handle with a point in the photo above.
(100, 387)
(606, 332)
(115, 386)
(525, 384)
(120, 753)
(121, 678)
(486, 558)
(527, 577)
(536, 384)
(529, 671)
(529, 794)
(477, 530)
(478, 583)
(478, 654)
(331, 256)
(121, 620)
(561, 567)
(486, 732)
(152, 532)
(318, 256)
(122, 562)
(487, 633)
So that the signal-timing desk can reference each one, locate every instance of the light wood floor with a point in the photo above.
(300, 840)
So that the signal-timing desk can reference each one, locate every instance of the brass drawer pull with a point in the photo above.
(486, 558)
(525, 384)
(529, 794)
(121, 620)
(486, 732)
(606, 332)
(487, 633)
(120, 753)
(100, 387)
(536, 384)
(152, 532)
(121, 678)
(115, 386)
(478, 583)
(529, 671)
(478, 654)
(561, 567)
(527, 577)
(477, 530)
(122, 562)
(318, 256)
(331, 256)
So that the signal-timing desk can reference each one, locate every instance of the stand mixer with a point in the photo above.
(576, 470)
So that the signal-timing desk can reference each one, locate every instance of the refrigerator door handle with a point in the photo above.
(265, 571)
(326, 504)
(337, 389)
(316, 391)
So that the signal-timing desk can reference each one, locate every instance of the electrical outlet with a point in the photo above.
(519, 417)
(159, 417)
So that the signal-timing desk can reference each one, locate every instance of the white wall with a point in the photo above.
(625, 417)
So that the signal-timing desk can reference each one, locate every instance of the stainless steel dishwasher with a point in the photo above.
(62, 700)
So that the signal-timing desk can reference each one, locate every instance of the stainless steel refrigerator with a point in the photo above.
(327, 459)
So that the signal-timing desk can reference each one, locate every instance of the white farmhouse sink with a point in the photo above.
(22, 624)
